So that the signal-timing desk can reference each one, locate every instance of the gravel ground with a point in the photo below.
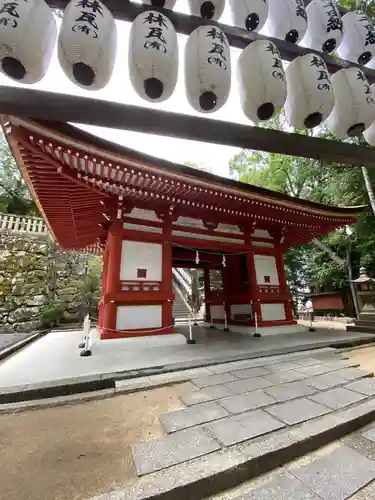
(74, 452)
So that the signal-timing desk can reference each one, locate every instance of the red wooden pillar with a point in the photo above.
(252, 279)
(207, 290)
(167, 275)
(283, 286)
(112, 277)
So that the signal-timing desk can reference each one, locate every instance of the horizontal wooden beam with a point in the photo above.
(36, 104)
(125, 10)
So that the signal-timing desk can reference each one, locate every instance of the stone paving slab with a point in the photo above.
(338, 475)
(366, 493)
(285, 487)
(171, 450)
(258, 371)
(307, 361)
(289, 391)
(246, 402)
(337, 364)
(192, 416)
(242, 427)
(364, 386)
(207, 394)
(314, 369)
(325, 381)
(298, 410)
(337, 398)
(353, 373)
(248, 385)
(284, 365)
(286, 376)
(370, 435)
(221, 378)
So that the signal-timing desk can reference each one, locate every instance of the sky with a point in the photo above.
(120, 90)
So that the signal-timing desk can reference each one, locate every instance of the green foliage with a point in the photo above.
(51, 313)
(309, 266)
(15, 197)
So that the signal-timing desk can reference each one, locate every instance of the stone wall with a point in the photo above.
(40, 285)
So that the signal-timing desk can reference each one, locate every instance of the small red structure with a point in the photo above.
(149, 215)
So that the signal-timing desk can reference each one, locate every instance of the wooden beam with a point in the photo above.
(41, 105)
(125, 10)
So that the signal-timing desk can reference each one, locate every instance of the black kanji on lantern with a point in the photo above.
(361, 76)
(94, 5)
(156, 33)
(367, 89)
(323, 75)
(5, 21)
(324, 86)
(9, 8)
(83, 28)
(217, 34)
(300, 9)
(155, 44)
(159, 19)
(370, 100)
(273, 49)
(317, 62)
(88, 17)
(334, 21)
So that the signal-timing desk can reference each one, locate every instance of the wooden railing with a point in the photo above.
(23, 224)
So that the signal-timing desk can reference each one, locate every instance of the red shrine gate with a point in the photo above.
(149, 215)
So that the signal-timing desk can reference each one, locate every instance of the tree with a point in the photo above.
(15, 197)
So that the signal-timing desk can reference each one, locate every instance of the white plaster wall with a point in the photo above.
(265, 265)
(138, 317)
(217, 312)
(272, 312)
(261, 233)
(140, 213)
(139, 227)
(137, 255)
(240, 309)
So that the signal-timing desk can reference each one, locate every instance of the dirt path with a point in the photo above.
(365, 357)
(74, 452)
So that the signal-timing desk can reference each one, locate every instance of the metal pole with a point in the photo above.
(190, 339)
(256, 334)
(226, 329)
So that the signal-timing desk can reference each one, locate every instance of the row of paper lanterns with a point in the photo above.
(88, 37)
(87, 49)
(318, 26)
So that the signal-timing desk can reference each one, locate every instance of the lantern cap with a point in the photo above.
(363, 277)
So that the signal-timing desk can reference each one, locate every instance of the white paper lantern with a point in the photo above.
(358, 44)
(27, 39)
(324, 26)
(354, 109)
(161, 4)
(310, 95)
(369, 134)
(207, 69)
(261, 80)
(153, 56)
(207, 9)
(287, 20)
(249, 14)
(87, 43)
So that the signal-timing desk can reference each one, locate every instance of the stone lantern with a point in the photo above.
(365, 290)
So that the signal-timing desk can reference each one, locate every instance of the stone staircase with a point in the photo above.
(365, 324)
(249, 417)
(181, 311)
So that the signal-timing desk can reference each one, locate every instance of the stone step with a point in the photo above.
(360, 329)
(367, 317)
(358, 322)
(177, 474)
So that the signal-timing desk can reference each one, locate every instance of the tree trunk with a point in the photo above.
(369, 188)
(329, 252)
(350, 276)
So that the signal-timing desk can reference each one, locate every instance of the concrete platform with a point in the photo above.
(55, 357)
(259, 429)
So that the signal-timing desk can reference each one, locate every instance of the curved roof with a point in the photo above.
(80, 181)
